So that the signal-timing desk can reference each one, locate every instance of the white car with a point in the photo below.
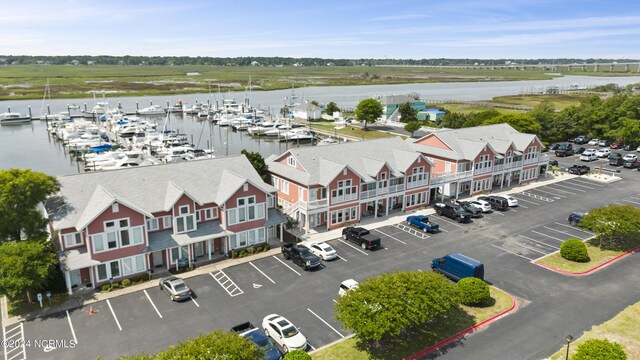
(589, 155)
(482, 205)
(630, 157)
(511, 201)
(347, 285)
(593, 142)
(284, 333)
(323, 251)
(603, 153)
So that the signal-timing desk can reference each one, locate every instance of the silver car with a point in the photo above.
(175, 287)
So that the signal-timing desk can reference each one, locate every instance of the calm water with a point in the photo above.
(29, 146)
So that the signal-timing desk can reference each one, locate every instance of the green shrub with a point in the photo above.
(599, 349)
(115, 285)
(266, 247)
(126, 282)
(297, 355)
(105, 288)
(243, 253)
(473, 291)
(251, 250)
(145, 276)
(575, 250)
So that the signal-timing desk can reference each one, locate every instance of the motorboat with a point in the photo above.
(10, 118)
(152, 110)
(327, 141)
(298, 134)
(278, 130)
(241, 124)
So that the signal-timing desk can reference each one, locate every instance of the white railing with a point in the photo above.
(383, 190)
(448, 177)
(517, 164)
(414, 184)
(530, 161)
(343, 198)
(484, 170)
(367, 194)
(396, 188)
(498, 167)
(312, 205)
(544, 158)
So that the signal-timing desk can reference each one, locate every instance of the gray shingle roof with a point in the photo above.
(76, 259)
(166, 239)
(149, 188)
(366, 158)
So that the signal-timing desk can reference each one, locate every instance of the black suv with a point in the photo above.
(582, 139)
(453, 211)
(497, 202)
(564, 150)
(578, 169)
(615, 159)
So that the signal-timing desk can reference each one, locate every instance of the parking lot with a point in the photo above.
(149, 321)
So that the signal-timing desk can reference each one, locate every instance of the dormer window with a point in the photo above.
(291, 161)
(344, 171)
(115, 208)
(72, 239)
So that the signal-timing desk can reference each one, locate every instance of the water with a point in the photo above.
(28, 146)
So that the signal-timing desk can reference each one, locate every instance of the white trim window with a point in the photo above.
(345, 191)
(210, 213)
(483, 165)
(72, 239)
(109, 270)
(481, 185)
(344, 215)
(247, 238)
(185, 221)
(246, 210)
(166, 222)
(133, 265)
(121, 267)
(117, 234)
(270, 201)
(291, 161)
(417, 178)
(153, 224)
(285, 187)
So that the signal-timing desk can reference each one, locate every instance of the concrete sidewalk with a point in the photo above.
(83, 299)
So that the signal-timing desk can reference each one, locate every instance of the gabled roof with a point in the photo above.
(365, 158)
(149, 189)
(174, 193)
(308, 107)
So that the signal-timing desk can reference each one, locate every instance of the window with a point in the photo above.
(185, 222)
(166, 222)
(117, 234)
(115, 207)
(285, 187)
(72, 239)
(198, 215)
(269, 201)
(247, 238)
(183, 210)
(344, 192)
(417, 178)
(245, 187)
(247, 210)
(132, 265)
(210, 213)
(102, 272)
(291, 161)
(344, 215)
(152, 224)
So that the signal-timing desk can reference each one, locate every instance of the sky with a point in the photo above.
(407, 29)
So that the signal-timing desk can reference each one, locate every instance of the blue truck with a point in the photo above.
(456, 266)
(250, 332)
(423, 223)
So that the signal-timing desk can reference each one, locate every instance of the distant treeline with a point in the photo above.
(276, 61)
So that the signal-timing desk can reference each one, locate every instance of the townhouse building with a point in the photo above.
(112, 225)
(478, 159)
(336, 185)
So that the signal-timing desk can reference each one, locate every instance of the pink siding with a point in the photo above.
(135, 218)
(292, 196)
(433, 140)
(261, 197)
(384, 170)
(285, 161)
(355, 181)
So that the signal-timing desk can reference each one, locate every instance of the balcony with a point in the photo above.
(484, 170)
(449, 177)
(313, 205)
(396, 188)
(343, 198)
(544, 158)
(517, 164)
(414, 184)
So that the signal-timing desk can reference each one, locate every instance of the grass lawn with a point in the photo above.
(560, 101)
(419, 339)
(21, 306)
(352, 131)
(597, 256)
(623, 329)
(467, 108)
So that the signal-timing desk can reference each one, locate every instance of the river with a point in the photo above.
(29, 146)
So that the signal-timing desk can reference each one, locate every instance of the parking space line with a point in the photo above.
(561, 232)
(195, 302)
(326, 323)
(260, 271)
(632, 202)
(539, 242)
(411, 230)
(227, 284)
(392, 237)
(496, 212)
(519, 199)
(346, 243)
(582, 186)
(450, 222)
(341, 258)
(114, 315)
(522, 206)
(512, 209)
(568, 187)
(21, 349)
(549, 236)
(287, 265)
(575, 228)
(539, 197)
(152, 304)
(530, 248)
(73, 332)
(311, 346)
(511, 252)
(549, 192)
(562, 191)
(587, 182)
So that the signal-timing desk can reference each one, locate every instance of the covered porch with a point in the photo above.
(77, 265)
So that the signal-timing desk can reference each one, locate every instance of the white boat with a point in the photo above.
(101, 108)
(225, 120)
(191, 110)
(230, 105)
(9, 118)
(152, 110)
(298, 134)
(278, 130)
(327, 141)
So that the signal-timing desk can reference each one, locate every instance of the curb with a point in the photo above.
(593, 269)
(462, 333)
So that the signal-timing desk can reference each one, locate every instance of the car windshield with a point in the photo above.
(289, 331)
(424, 220)
(326, 248)
(180, 287)
(263, 342)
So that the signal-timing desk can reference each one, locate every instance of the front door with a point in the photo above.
(76, 279)
(158, 259)
(199, 249)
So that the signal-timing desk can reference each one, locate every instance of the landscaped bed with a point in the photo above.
(597, 257)
(438, 330)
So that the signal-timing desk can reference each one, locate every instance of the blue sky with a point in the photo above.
(330, 29)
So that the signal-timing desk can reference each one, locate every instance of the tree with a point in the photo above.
(258, 163)
(407, 113)
(331, 108)
(597, 349)
(522, 122)
(386, 305)
(454, 120)
(314, 102)
(217, 344)
(25, 266)
(297, 355)
(617, 227)
(20, 193)
(368, 111)
(412, 127)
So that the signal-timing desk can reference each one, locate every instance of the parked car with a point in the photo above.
(255, 335)
(578, 169)
(452, 211)
(482, 205)
(554, 146)
(638, 149)
(615, 159)
(346, 286)
(631, 164)
(604, 143)
(564, 150)
(323, 250)
(616, 145)
(457, 266)
(300, 255)
(593, 142)
(582, 139)
(629, 147)
(603, 153)
(284, 333)
(553, 162)
(175, 287)
(361, 236)
(497, 202)
(630, 157)
(511, 201)
(589, 155)
(575, 217)
(470, 208)
(579, 150)
(423, 223)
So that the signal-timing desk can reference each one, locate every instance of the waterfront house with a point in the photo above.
(336, 185)
(118, 224)
(307, 111)
(390, 105)
(478, 159)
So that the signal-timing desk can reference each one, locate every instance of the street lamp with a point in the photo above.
(568, 338)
